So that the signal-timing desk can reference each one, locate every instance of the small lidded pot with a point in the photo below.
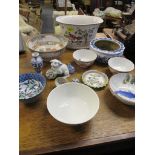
(37, 62)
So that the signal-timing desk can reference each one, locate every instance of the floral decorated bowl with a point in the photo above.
(106, 48)
(73, 103)
(122, 86)
(84, 58)
(120, 64)
(79, 29)
(31, 85)
(48, 46)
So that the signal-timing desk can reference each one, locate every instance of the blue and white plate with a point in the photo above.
(122, 86)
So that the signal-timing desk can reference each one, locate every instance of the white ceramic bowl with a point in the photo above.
(124, 91)
(73, 103)
(84, 58)
(79, 29)
(120, 64)
(48, 46)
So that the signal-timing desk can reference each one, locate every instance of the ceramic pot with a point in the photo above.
(106, 48)
(37, 62)
(79, 29)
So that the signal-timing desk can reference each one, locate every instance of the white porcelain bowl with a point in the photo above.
(120, 64)
(73, 103)
(84, 58)
(122, 88)
(79, 29)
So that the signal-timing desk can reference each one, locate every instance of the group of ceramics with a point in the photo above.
(78, 95)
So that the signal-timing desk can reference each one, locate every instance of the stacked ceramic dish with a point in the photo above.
(122, 86)
(106, 48)
(48, 46)
(79, 29)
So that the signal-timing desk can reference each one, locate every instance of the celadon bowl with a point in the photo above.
(73, 103)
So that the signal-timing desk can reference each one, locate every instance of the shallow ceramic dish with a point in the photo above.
(95, 79)
(60, 80)
(73, 103)
(79, 29)
(31, 85)
(122, 87)
(120, 64)
(84, 58)
(47, 45)
(106, 48)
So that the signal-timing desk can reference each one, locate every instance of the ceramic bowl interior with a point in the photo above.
(47, 43)
(48, 46)
(120, 64)
(73, 103)
(107, 45)
(84, 55)
(79, 20)
(124, 91)
(32, 76)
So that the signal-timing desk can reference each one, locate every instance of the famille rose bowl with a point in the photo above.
(79, 29)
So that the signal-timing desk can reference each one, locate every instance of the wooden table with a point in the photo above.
(41, 133)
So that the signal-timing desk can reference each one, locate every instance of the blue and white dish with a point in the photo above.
(106, 48)
(122, 86)
(30, 86)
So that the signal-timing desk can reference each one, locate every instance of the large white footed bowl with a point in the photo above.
(79, 29)
(73, 103)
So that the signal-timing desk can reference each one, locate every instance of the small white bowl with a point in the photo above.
(120, 64)
(73, 103)
(84, 57)
(122, 88)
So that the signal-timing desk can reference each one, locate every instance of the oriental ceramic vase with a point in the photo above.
(37, 62)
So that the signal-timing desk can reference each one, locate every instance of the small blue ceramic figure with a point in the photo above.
(71, 68)
(37, 62)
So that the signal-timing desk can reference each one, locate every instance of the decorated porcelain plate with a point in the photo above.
(122, 86)
(95, 79)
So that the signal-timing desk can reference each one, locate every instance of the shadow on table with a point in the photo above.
(117, 106)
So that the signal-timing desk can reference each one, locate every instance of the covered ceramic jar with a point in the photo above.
(106, 48)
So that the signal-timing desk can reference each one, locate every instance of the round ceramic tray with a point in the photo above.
(95, 79)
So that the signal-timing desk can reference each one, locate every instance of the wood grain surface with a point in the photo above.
(41, 133)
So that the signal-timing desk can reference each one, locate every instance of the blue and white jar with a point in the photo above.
(106, 48)
(37, 62)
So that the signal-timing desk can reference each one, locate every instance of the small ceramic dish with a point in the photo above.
(73, 103)
(84, 58)
(123, 88)
(31, 85)
(47, 45)
(95, 79)
(120, 64)
(60, 80)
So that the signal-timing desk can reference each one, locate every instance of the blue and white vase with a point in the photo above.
(37, 62)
